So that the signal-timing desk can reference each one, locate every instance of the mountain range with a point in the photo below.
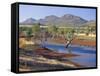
(65, 20)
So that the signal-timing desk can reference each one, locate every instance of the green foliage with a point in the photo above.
(60, 31)
(29, 32)
(21, 29)
(90, 29)
(67, 30)
(26, 30)
(35, 28)
(69, 35)
(52, 29)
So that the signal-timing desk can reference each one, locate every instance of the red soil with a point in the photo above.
(76, 41)
(84, 42)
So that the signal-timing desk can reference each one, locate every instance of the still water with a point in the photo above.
(87, 54)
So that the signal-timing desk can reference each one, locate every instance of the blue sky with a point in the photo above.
(38, 12)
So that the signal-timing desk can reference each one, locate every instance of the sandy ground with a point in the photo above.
(45, 59)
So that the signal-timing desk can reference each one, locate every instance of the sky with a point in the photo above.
(40, 12)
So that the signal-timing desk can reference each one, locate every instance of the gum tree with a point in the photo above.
(69, 36)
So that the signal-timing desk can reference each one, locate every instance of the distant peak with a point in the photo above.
(31, 19)
(51, 16)
(68, 15)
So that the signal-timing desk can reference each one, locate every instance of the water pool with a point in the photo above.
(87, 54)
